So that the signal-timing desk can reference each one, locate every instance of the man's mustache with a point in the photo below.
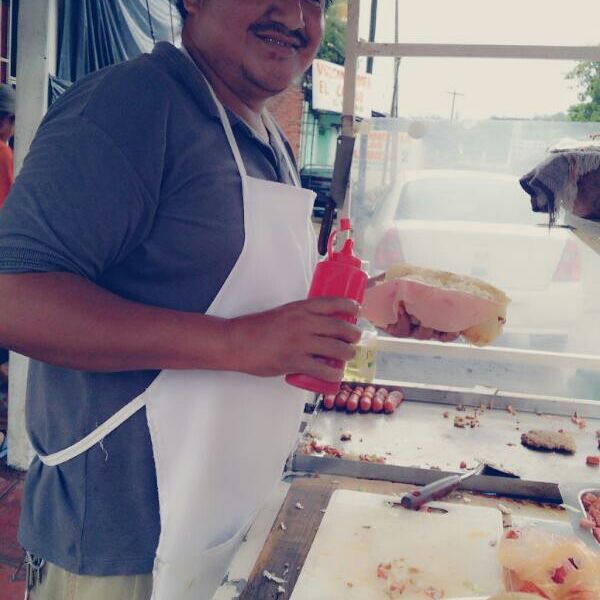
(275, 27)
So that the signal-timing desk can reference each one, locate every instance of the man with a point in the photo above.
(154, 255)
(135, 240)
(7, 130)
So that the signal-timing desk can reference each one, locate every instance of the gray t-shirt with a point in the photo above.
(130, 183)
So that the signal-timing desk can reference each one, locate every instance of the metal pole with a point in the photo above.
(397, 59)
(350, 67)
(372, 32)
(453, 94)
(588, 53)
(394, 131)
(390, 157)
(36, 59)
(346, 141)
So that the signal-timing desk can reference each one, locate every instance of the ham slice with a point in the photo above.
(439, 300)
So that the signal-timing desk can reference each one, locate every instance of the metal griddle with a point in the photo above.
(420, 445)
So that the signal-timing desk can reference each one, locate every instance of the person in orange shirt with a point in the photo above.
(7, 130)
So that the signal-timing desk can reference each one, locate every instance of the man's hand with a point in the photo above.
(408, 326)
(291, 338)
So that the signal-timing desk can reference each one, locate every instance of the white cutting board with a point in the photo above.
(454, 552)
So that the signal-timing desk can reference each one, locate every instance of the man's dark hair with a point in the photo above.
(183, 12)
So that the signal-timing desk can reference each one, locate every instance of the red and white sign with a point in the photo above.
(328, 89)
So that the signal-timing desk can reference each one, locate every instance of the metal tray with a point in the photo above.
(419, 445)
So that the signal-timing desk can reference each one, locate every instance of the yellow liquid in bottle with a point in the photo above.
(362, 367)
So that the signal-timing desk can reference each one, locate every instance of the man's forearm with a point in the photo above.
(68, 321)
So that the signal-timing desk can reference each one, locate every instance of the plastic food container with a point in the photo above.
(572, 494)
(596, 492)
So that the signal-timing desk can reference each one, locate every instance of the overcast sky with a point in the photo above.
(492, 87)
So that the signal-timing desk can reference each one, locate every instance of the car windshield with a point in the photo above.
(488, 200)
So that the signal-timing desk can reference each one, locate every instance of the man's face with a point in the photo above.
(258, 47)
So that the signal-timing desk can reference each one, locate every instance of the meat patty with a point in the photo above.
(549, 441)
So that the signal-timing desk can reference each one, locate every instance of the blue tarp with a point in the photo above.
(56, 87)
(93, 34)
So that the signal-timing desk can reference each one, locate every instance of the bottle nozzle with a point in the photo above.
(347, 249)
(346, 253)
(345, 224)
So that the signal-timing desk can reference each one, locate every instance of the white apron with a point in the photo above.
(220, 439)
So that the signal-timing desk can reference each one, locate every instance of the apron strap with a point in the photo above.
(96, 436)
(275, 133)
(229, 133)
(271, 127)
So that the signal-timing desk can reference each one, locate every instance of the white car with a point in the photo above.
(481, 224)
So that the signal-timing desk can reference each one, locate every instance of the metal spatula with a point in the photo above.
(436, 490)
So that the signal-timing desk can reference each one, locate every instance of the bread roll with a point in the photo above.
(439, 300)
(515, 596)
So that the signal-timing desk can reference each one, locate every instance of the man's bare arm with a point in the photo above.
(68, 321)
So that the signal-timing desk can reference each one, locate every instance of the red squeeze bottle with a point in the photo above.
(339, 275)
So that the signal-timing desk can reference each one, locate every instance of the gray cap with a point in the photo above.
(7, 98)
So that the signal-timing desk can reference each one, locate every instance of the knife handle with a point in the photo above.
(432, 491)
(326, 226)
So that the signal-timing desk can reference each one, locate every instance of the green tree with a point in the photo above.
(334, 40)
(587, 77)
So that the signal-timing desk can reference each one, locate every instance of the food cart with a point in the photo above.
(335, 527)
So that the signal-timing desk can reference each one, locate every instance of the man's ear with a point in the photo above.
(192, 6)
